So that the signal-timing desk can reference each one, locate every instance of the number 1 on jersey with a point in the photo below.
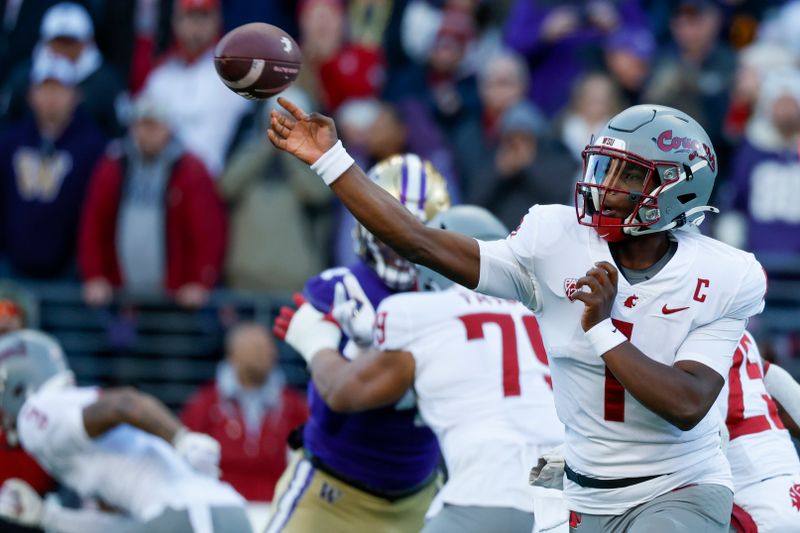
(614, 393)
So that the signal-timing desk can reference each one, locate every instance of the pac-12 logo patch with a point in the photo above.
(570, 289)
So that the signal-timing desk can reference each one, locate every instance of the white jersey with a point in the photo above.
(126, 468)
(760, 447)
(695, 308)
(482, 386)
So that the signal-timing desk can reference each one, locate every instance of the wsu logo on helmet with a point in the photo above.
(666, 142)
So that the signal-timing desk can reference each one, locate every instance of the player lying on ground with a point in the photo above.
(118, 446)
(480, 376)
(373, 471)
(639, 319)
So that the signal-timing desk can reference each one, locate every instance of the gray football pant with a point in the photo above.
(225, 520)
(472, 519)
(694, 509)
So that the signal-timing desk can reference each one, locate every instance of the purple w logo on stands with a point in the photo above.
(667, 142)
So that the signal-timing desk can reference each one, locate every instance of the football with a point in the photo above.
(257, 60)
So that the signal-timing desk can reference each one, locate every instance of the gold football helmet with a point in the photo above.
(422, 190)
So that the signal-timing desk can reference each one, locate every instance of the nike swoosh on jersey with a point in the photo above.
(667, 311)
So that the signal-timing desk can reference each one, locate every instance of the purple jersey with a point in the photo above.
(385, 449)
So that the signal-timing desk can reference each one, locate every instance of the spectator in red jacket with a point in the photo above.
(153, 219)
(250, 411)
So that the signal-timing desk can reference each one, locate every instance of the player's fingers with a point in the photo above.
(285, 120)
(282, 130)
(279, 128)
(354, 289)
(287, 313)
(585, 297)
(276, 117)
(298, 299)
(611, 270)
(602, 278)
(588, 281)
(339, 294)
(319, 118)
(276, 141)
(279, 328)
(292, 108)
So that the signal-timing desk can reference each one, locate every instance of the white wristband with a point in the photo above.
(604, 336)
(333, 163)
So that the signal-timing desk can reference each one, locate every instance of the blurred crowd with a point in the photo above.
(126, 164)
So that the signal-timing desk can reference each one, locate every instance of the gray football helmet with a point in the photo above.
(469, 220)
(28, 360)
(661, 159)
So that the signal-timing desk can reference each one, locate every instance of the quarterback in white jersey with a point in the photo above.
(673, 317)
(764, 462)
(479, 371)
(640, 318)
(91, 441)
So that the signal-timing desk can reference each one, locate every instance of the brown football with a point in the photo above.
(257, 60)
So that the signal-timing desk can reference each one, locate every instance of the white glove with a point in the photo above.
(549, 472)
(353, 311)
(306, 329)
(20, 503)
(199, 450)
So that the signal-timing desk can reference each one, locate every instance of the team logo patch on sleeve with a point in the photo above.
(570, 288)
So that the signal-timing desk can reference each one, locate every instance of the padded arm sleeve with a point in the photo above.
(786, 391)
(503, 276)
(713, 344)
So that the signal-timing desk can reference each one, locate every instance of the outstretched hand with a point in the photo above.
(306, 330)
(602, 283)
(305, 136)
